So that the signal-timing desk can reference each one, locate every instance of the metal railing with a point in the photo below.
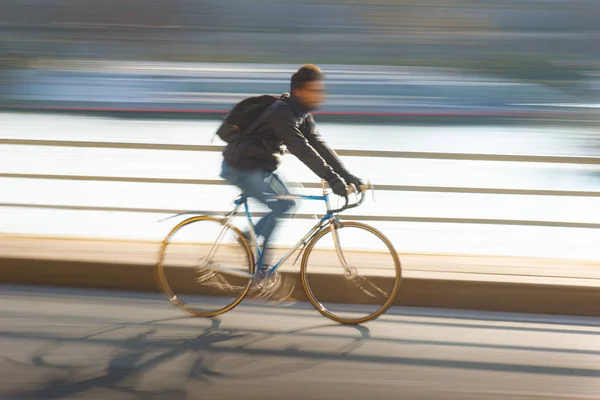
(350, 153)
(353, 153)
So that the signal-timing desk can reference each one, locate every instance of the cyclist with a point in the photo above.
(250, 165)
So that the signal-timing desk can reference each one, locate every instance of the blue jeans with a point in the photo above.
(259, 184)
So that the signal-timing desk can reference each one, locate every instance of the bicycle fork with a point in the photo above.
(351, 273)
(348, 272)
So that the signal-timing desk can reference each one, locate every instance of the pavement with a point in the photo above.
(510, 284)
(89, 344)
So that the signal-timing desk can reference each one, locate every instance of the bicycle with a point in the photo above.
(230, 273)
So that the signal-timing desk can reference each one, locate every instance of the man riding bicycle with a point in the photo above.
(250, 164)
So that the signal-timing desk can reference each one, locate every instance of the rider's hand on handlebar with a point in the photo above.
(360, 189)
(338, 187)
(356, 181)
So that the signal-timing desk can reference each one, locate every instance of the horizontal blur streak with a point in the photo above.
(451, 57)
(344, 31)
(214, 87)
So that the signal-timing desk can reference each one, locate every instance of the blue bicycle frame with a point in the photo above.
(258, 252)
(329, 217)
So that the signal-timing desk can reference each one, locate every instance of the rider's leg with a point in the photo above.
(274, 186)
(260, 184)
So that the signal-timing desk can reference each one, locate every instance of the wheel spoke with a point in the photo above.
(205, 266)
(364, 284)
(368, 282)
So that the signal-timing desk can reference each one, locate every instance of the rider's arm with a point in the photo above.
(286, 129)
(328, 154)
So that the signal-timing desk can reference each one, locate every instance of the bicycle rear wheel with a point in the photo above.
(351, 286)
(205, 266)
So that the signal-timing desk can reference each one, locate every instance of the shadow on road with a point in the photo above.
(134, 354)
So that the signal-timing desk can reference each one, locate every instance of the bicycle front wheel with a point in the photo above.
(351, 272)
(205, 266)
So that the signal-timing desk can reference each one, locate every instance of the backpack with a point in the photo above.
(246, 116)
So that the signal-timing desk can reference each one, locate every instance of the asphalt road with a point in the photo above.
(79, 344)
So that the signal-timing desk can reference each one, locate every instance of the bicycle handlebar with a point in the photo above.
(361, 197)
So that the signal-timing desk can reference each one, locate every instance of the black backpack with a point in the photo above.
(246, 116)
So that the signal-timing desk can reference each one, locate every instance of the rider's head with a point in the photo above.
(308, 87)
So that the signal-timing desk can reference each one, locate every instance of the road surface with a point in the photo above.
(79, 344)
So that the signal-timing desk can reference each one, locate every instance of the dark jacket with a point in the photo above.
(290, 126)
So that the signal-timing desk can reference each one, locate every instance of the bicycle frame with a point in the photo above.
(328, 219)
(323, 222)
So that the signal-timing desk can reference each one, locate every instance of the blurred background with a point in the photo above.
(489, 109)
(428, 56)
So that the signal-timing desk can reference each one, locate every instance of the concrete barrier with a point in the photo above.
(450, 281)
